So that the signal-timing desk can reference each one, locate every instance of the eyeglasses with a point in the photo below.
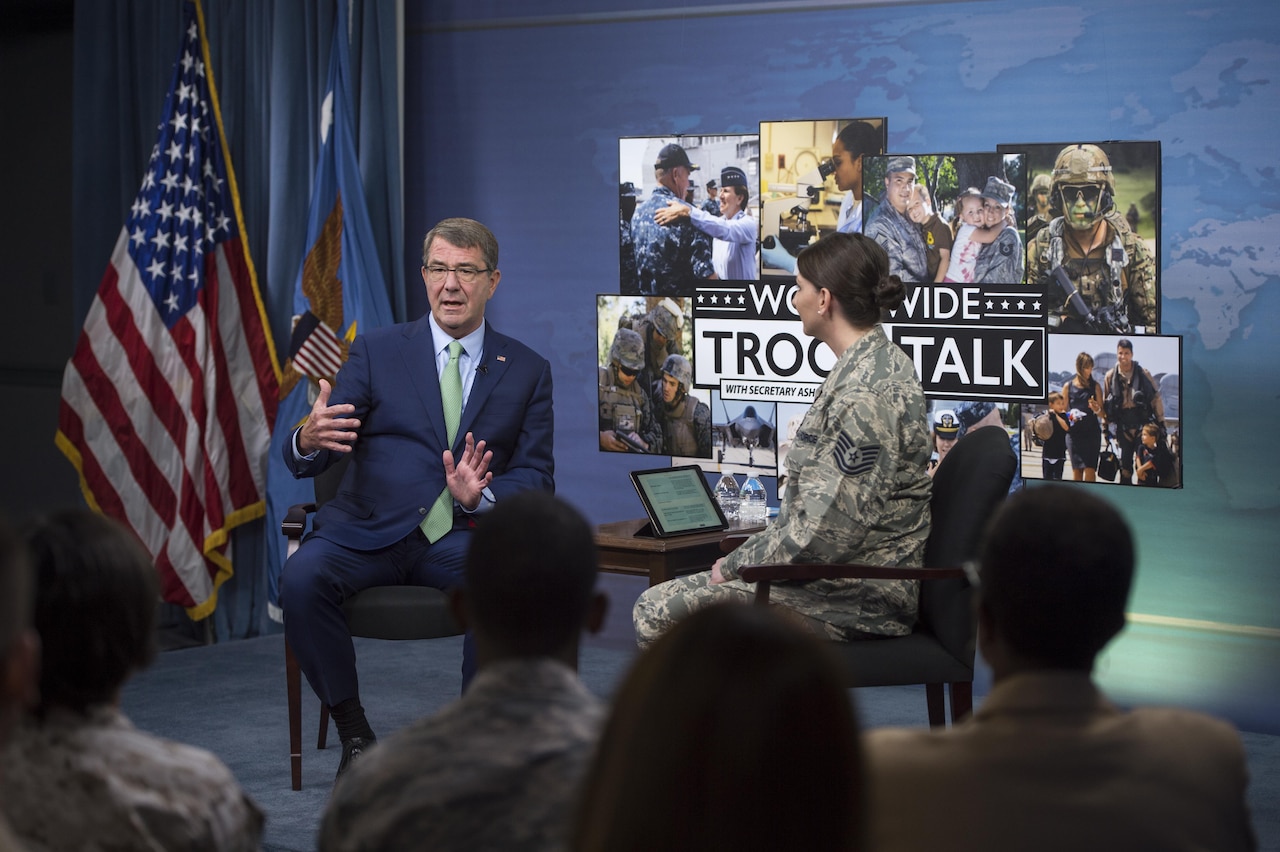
(437, 273)
(1088, 191)
(627, 371)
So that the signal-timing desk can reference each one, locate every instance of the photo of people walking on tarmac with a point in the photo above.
(1112, 413)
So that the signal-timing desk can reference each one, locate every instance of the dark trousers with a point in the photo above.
(321, 575)
(1128, 438)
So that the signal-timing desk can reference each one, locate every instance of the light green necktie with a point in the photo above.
(440, 519)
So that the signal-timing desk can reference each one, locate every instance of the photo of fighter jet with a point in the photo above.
(744, 435)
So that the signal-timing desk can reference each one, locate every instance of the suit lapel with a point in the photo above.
(488, 374)
(420, 365)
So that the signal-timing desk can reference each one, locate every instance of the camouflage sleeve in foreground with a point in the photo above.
(96, 782)
(497, 769)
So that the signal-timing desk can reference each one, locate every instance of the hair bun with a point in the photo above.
(890, 291)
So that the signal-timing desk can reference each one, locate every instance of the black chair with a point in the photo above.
(380, 612)
(968, 486)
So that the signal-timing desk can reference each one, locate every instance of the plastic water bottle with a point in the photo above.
(727, 496)
(752, 502)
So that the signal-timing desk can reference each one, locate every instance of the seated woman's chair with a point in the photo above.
(380, 612)
(968, 486)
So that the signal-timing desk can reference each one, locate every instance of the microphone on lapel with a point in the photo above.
(483, 368)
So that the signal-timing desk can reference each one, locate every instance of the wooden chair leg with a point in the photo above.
(293, 685)
(961, 700)
(936, 701)
(323, 736)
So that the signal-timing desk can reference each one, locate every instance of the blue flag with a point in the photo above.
(340, 292)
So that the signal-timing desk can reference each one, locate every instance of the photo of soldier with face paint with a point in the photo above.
(1099, 275)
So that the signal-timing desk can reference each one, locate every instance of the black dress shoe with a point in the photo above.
(351, 751)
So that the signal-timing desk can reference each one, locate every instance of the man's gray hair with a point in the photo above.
(463, 233)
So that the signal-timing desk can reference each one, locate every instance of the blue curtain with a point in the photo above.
(270, 59)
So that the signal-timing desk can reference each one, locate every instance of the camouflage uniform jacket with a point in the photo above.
(669, 258)
(654, 355)
(497, 769)
(94, 781)
(857, 491)
(686, 426)
(8, 843)
(900, 237)
(613, 394)
(1130, 269)
(1001, 262)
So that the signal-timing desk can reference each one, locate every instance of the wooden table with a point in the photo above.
(661, 559)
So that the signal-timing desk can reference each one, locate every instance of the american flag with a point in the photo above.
(170, 396)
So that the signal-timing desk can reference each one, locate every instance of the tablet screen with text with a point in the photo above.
(678, 500)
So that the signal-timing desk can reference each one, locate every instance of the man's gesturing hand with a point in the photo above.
(328, 427)
(471, 475)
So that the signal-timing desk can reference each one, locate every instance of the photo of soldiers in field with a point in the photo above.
(642, 344)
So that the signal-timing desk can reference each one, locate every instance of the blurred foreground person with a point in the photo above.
(499, 768)
(19, 649)
(77, 774)
(733, 731)
(1047, 762)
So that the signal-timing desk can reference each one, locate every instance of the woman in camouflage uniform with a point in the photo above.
(857, 490)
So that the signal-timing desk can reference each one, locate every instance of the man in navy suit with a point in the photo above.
(386, 412)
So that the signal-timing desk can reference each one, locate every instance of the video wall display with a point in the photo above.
(1032, 296)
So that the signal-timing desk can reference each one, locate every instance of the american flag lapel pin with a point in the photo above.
(502, 357)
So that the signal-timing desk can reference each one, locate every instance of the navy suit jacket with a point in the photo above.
(396, 472)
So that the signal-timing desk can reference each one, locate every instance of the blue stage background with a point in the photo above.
(513, 119)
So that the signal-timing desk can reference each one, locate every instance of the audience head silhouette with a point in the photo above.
(1056, 567)
(499, 768)
(1047, 761)
(530, 580)
(96, 599)
(734, 707)
(19, 648)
